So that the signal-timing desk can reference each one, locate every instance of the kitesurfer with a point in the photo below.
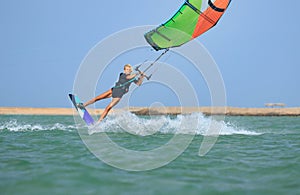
(117, 92)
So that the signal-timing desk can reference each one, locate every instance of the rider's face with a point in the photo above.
(127, 70)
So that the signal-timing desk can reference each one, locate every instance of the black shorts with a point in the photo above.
(118, 92)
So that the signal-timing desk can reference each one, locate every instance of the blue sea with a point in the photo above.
(50, 155)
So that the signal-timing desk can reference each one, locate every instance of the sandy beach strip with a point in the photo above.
(230, 111)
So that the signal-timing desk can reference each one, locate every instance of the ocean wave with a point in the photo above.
(196, 124)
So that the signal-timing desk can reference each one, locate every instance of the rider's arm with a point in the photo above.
(140, 80)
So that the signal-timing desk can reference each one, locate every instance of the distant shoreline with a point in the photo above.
(229, 111)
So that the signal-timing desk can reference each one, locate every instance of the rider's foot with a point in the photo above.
(80, 105)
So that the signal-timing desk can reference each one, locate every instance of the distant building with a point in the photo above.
(272, 105)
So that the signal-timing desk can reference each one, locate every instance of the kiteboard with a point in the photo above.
(84, 114)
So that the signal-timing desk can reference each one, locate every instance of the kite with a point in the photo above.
(194, 18)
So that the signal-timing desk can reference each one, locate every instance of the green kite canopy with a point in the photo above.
(192, 19)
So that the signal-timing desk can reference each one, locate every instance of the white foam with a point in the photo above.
(126, 122)
(195, 123)
(18, 126)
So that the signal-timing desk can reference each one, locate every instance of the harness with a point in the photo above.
(124, 84)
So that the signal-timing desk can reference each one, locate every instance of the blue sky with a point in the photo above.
(255, 44)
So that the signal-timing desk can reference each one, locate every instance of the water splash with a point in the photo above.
(127, 122)
(180, 124)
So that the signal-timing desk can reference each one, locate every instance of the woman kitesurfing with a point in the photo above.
(121, 87)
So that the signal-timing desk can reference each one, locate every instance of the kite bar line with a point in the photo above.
(166, 50)
(148, 77)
